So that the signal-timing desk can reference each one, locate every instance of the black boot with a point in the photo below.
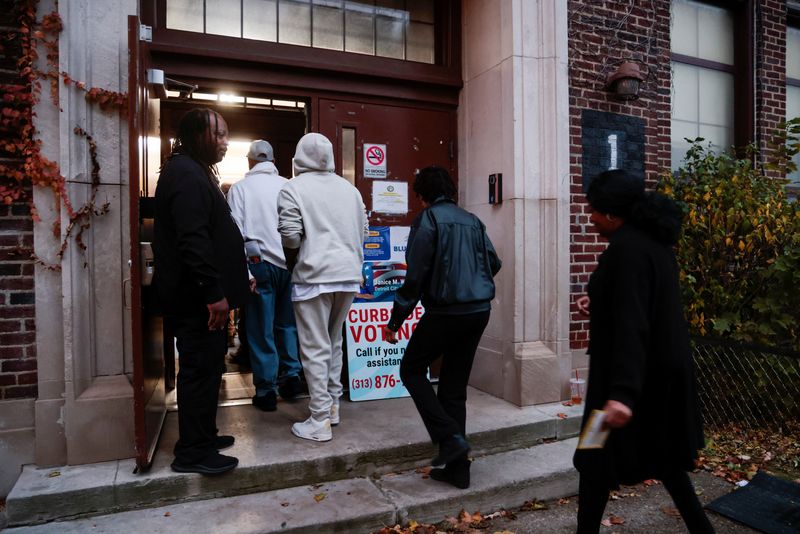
(450, 449)
(455, 473)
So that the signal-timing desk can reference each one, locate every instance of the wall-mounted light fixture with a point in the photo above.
(156, 83)
(623, 83)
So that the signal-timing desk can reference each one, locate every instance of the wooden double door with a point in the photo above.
(412, 136)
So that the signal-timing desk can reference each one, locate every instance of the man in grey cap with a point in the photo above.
(269, 317)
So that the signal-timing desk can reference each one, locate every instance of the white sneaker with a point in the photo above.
(335, 413)
(313, 430)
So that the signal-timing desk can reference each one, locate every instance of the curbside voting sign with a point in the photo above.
(373, 364)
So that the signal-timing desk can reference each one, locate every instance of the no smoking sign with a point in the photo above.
(374, 160)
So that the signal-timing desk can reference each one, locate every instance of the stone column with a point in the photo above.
(513, 119)
(82, 318)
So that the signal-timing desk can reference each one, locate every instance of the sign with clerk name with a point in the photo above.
(374, 160)
(373, 364)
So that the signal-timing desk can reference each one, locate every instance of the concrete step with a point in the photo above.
(374, 438)
(354, 505)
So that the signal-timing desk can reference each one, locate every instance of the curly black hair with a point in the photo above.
(192, 139)
(432, 183)
(618, 192)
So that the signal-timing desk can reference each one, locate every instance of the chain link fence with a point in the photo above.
(749, 385)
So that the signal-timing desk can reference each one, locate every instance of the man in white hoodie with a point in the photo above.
(323, 224)
(271, 329)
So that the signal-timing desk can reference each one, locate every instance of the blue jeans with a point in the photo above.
(271, 329)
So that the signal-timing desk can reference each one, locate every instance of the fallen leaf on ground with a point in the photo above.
(616, 520)
(501, 513)
(167, 514)
(605, 523)
(563, 501)
(52, 474)
(651, 482)
(734, 452)
(530, 506)
(561, 415)
(284, 504)
(670, 511)
(319, 496)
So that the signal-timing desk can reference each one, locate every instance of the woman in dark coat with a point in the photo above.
(641, 371)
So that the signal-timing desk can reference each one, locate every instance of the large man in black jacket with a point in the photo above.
(451, 265)
(200, 273)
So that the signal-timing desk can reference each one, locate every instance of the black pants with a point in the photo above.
(201, 355)
(456, 338)
(593, 496)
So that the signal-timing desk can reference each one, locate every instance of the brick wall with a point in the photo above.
(601, 36)
(17, 324)
(770, 70)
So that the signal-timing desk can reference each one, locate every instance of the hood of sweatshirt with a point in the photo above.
(314, 154)
(265, 167)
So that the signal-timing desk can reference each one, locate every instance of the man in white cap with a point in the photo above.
(269, 317)
(322, 222)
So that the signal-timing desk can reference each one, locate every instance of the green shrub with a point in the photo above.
(739, 253)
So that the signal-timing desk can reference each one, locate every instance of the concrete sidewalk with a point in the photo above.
(375, 438)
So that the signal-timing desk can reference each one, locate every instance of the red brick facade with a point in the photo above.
(17, 323)
(18, 377)
(601, 36)
(770, 69)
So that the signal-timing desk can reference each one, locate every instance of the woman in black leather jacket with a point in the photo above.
(451, 265)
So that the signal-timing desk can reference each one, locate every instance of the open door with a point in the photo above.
(147, 327)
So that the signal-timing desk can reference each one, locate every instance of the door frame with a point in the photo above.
(144, 444)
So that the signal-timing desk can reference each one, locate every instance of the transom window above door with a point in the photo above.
(397, 29)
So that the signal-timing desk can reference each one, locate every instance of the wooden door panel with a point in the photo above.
(414, 138)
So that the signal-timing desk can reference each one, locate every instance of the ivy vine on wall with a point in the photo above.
(22, 165)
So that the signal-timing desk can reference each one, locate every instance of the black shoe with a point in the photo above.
(223, 442)
(267, 403)
(290, 388)
(241, 357)
(456, 473)
(215, 464)
(451, 449)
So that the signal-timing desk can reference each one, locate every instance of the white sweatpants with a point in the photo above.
(319, 327)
